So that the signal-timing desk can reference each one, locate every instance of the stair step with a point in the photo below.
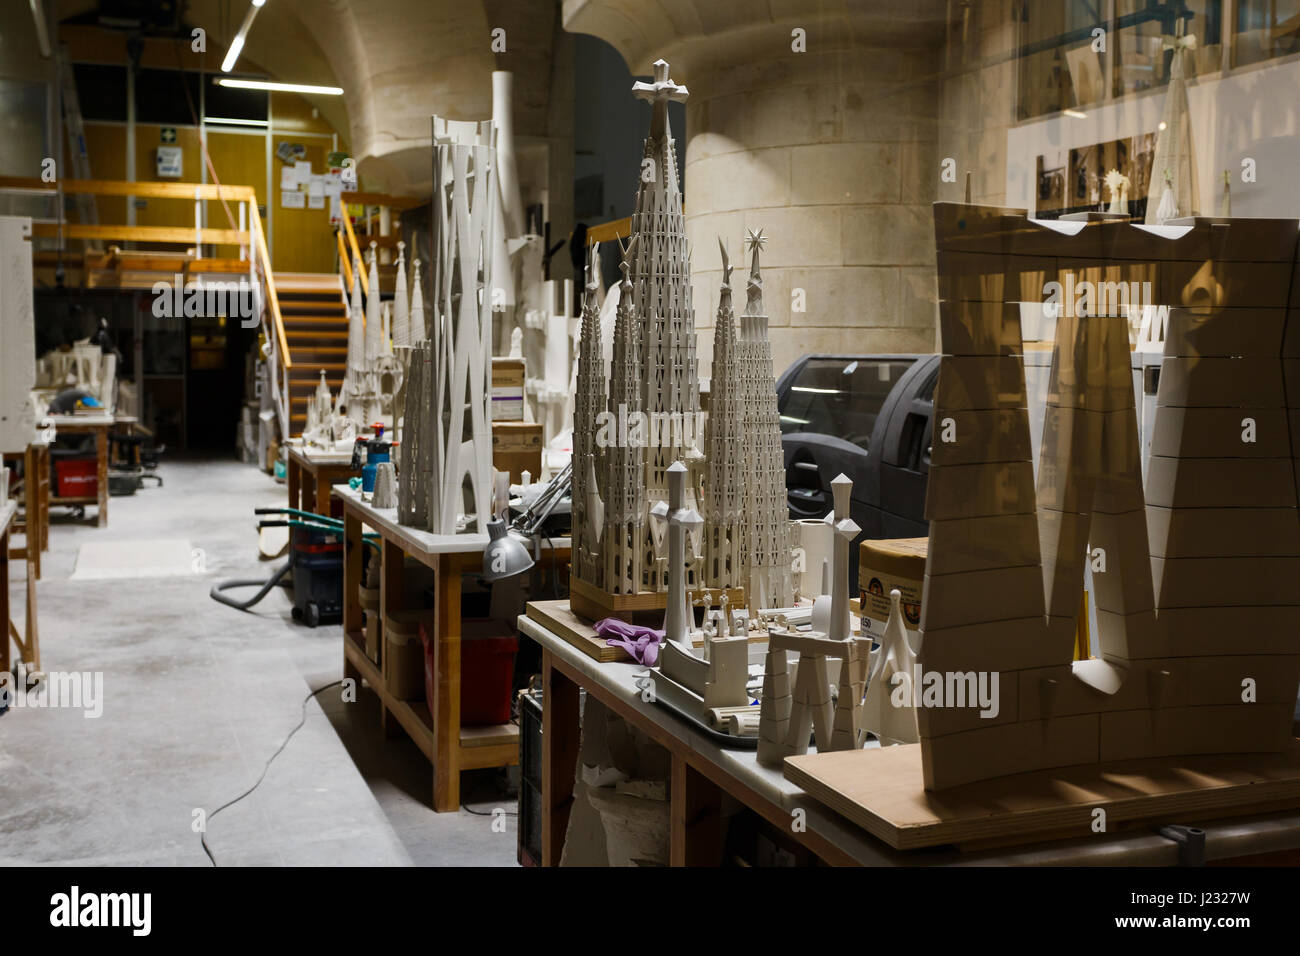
(299, 334)
(311, 283)
(300, 352)
(314, 369)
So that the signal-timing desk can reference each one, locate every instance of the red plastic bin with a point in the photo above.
(487, 670)
(76, 477)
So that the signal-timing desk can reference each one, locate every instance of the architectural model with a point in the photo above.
(651, 414)
(448, 446)
(788, 712)
(1193, 570)
(17, 337)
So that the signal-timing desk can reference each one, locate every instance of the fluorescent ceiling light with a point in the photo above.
(279, 87)
(237, 44)
(234, 122)
(1075, 113)
(236, 47)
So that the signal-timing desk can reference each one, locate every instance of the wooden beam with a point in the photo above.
(167, 234)
(143, 190)
(609, 231)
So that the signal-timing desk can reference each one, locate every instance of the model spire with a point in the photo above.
(624, 541)
(725, 447)
(401, 309)
(588, 406)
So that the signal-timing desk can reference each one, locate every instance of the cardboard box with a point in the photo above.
(516, 448)
(882, 566)
(508, 389)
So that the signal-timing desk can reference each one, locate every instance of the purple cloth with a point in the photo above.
(641, 642)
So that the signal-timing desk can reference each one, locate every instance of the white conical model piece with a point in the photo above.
(891, 723)
(401, 308)
(418, 332)
(374, 313)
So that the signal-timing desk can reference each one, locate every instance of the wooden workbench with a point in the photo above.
(310, 474)
(702, 771)
(448, 746)
(35, 523)
(27, 640)
(99, 426)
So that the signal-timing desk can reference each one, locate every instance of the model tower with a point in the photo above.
(728, 455)
(588, 456)
(661, 290)
(624, 537)
(767, 510)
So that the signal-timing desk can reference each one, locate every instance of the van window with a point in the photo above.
(840, 396)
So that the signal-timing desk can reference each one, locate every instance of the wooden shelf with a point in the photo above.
(83, 500)
(496, 745)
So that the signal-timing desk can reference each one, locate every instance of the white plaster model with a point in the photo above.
(17, 335)
(768, 532)
(449, 438)
(890, 722)
(653, 411)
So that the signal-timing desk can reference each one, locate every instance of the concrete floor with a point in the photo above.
(197, 696)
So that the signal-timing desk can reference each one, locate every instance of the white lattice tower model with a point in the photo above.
(418, 330)
(625, 532)
(462, 452)
(587, 455)
(661, 287)
(725, 499)
(766, 538)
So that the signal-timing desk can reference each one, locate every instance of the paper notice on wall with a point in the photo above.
(303, 169)
(316, 186)
(292, 199)
(333, 188)
(336, 211)
(315, 202)
(288, 177)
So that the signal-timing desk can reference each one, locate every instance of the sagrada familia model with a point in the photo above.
(626, 441)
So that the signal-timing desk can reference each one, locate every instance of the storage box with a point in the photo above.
(404, 664)
(487, 667)
(884, 565)
(508, 389)
(75, 477)
(516, 448)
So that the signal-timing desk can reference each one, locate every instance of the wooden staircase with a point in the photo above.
(316, 326)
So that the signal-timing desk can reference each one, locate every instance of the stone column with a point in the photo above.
(831, 150)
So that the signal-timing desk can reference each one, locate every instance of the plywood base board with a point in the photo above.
(881, 790)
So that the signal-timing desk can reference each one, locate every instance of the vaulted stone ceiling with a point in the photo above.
(398, 62)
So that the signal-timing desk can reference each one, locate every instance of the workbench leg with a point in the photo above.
(33, 642)
(446, 682)
(322, 494)
(5, 663)
(33, 522)
(293, 478)
(695, 812)
(561, 730)
(392, 598)
(101, 463)
(43, 499)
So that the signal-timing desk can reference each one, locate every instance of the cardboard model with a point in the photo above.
(1194, 569)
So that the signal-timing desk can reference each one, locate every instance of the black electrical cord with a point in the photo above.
(203, 837)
